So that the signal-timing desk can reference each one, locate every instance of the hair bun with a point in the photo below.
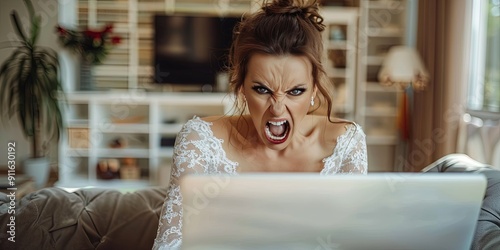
(304, 8)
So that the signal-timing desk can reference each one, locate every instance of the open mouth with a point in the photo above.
(277, 132)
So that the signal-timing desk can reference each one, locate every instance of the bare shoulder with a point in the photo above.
(336, 127)
(214, 119)
(221, 125)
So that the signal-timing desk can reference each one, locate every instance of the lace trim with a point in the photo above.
(209, 145)
(349, 155)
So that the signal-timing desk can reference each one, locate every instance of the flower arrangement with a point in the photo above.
(92, 45)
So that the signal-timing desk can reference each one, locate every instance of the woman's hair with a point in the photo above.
(281, 27)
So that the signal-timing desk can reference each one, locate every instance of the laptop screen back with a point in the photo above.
(308, 211)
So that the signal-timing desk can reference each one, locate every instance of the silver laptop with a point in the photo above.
(307, 211)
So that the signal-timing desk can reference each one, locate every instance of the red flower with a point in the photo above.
(115, 40)
(93, 34)
(108, 28)
(92, 44)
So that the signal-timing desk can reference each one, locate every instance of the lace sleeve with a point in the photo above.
(193, 154)
(355, 157)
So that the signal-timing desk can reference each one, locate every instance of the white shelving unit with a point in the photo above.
(148, 122)
(382, 24)
(340, 40)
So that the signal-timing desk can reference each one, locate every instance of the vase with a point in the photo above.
(38, 169)
(86, 75)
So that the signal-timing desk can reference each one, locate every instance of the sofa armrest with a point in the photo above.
(487, 235)
(488, 227)
(456, 163)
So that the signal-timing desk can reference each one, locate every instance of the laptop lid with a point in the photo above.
(309, 211)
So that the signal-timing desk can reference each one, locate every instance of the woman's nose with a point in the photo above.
(277, 106)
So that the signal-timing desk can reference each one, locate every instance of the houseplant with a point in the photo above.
(92, 45)
(29, 88)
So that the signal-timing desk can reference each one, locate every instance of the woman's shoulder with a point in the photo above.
(208, 121)
(336, 128)
(196, 123)
(224, 125)
(197, 142)
(207, 127)
(196, 128)
(217, 119)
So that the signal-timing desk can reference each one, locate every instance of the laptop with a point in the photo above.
(308, 211)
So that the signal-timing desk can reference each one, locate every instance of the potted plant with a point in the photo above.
(29, 88)
(92, 45)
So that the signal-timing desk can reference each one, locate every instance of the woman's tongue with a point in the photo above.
(277, 130)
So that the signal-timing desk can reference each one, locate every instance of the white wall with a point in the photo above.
(48, 10)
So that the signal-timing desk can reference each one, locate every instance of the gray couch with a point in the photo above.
(107, 219)
(487, 234)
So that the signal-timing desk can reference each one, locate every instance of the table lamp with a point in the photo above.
(403, 67)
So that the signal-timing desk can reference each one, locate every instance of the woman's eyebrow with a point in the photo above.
(300, 85)
(260, 83)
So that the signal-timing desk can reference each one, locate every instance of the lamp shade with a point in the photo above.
(403, 66)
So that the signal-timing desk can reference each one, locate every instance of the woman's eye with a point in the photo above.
(296, 92)
(261, 90)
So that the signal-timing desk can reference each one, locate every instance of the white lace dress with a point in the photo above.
(198, 151)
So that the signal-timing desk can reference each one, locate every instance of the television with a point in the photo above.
(191, 50)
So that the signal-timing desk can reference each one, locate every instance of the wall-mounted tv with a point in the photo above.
(191, 49)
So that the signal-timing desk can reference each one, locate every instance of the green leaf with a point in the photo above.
(58, 116)
(35, 29)
(48, 56)
(9, 75)
(18, 26)
(22, 108)
(29, 6)
(7, 96)
(12, 95)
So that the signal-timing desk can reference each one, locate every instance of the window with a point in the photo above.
(484, 84)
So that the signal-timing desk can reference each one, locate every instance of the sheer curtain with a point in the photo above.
(443, 41)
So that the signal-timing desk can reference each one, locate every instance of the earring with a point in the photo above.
(312, 101)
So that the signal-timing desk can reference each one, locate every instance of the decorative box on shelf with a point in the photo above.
(129, 169)
(78, 137)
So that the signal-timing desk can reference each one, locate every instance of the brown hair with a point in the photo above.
(281, 27)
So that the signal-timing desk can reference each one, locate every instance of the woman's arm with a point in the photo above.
(192, 155)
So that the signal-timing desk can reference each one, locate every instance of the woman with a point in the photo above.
(277, 76)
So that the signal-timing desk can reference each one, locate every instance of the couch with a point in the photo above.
(487, 235)
(52, 218)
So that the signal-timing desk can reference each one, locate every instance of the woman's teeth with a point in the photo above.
(276, 130)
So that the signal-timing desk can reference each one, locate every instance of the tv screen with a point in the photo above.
(190, 49)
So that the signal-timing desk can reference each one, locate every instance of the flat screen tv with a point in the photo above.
(191, 49)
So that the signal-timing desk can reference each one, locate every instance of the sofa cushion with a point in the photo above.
(52, 218)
